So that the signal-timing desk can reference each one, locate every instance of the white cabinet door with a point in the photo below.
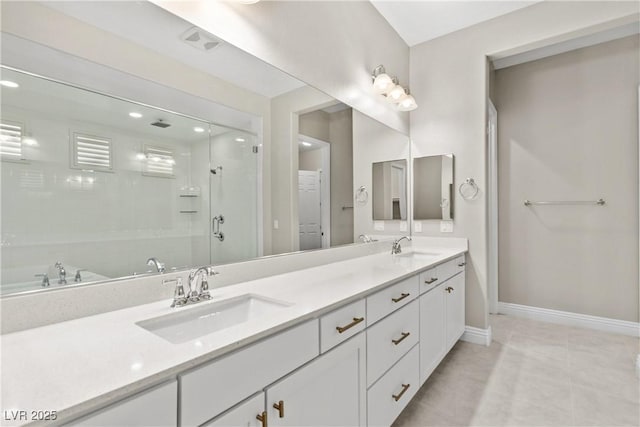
(432, 330)
(156, 407)
(245, 414)
(329, 391)
(455, 294)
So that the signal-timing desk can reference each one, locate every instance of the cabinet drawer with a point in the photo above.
(215, 387)
(244, 414)
(341, 324)
(391, 338)
(450, 268)
(390, 299)
(156, 407)
(429, 279)
(386, 399)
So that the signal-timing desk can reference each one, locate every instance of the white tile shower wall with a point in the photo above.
(109, 223)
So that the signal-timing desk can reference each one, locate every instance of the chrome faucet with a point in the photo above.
(365, 238)
(78, 277)
(157, 264)
(62, 274)
(201, 294)
(396, 248)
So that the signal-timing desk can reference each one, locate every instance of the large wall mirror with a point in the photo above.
(433, 187)
(101, 186)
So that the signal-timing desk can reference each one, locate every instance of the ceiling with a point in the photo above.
(154, 28)
(419, 21)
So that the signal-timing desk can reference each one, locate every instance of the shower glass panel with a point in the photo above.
(233, 178)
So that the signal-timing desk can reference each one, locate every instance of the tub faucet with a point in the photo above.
(157, 264)
(62, 274)
(396, 248)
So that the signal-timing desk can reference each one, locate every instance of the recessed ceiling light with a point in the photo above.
(8, 83)
(135, 115)
(240, 140)
(306, 144)
(198, 129)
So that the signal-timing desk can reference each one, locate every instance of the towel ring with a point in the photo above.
(468, 189)
(362, 196)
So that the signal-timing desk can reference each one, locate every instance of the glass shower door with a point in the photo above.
(233, 183)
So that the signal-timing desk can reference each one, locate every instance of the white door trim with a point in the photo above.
(492, 208)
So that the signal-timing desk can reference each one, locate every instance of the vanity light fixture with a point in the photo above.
(135, 115)
(408, 103)
(9, 83)
(198, 129)
(390, 88)
(382, 83)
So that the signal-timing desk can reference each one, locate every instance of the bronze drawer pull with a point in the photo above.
(430, 281)
(401, 297)
(397, 397)
(399, 340)
(356, 320)
(262, 418)
(280, 407)
(462, 264)
(449, 289)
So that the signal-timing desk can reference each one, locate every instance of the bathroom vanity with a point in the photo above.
(346, 343)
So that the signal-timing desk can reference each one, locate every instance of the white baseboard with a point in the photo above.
(571, 319)
(477, 335)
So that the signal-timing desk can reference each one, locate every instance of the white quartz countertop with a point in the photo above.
(77, 366)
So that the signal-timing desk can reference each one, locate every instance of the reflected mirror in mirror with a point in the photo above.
(390, 190)
(433, 187)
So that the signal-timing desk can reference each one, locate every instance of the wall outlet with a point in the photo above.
(417, 227)
(276, 224)
(446, 226)
(403, 225)
(378, 225)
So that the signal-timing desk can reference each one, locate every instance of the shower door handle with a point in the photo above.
(215, 227)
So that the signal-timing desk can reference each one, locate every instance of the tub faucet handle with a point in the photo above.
(45, 279)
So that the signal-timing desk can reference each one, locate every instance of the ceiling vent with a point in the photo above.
(161, 124)
(200, 39)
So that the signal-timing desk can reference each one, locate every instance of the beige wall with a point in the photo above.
(310, 160)
(449, 79)
(317, 42)
(341, 137)
(568, 130)
(315, 124)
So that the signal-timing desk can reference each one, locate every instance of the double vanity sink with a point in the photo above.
(98, 361)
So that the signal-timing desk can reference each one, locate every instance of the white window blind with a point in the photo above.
(91, 152)
(11, 140)
(159, 162)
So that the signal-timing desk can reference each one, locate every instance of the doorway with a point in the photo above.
(314, 184)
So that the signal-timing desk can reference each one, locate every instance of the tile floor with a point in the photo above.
(533, 374)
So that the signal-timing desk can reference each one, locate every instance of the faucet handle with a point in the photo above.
(78, 277)
(179, 298)
(45, 279)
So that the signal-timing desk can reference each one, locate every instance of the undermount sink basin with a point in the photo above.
(418, 254)
(195, 322)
